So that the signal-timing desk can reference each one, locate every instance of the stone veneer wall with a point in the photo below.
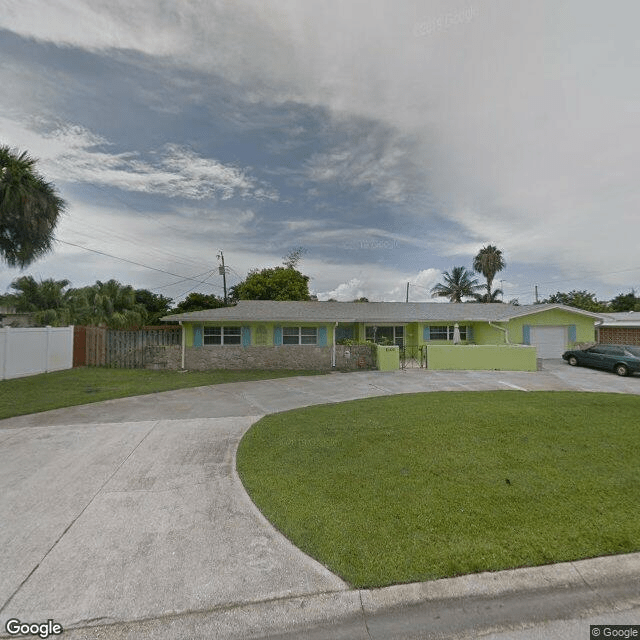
(620, 335)
(279, 357)
(169, 357)
(351, 358)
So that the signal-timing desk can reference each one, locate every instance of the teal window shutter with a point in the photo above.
(469, 333)
(277, 335)
(426, 333)
(197, 336)
(573, 333)
(246, 336)
(322, 336)
(526, 334)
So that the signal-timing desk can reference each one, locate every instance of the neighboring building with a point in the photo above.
(9, 317)
(620, 328)
(307, 335)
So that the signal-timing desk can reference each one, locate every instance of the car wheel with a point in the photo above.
(622, 369)
(573, 361)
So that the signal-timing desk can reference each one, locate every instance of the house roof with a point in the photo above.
(622, 319)
(370, 312)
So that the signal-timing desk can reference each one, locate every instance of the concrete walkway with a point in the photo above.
(126, 518)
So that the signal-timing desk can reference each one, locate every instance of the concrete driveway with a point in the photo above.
(126, 518)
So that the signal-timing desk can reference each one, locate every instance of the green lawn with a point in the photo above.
(92, 384)
(423, 486)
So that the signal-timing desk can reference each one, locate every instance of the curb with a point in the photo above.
(297, 614)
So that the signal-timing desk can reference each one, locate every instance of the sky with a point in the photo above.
(390, 140)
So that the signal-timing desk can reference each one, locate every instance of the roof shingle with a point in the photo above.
(370, 312)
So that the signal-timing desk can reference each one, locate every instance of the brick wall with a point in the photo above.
(620, 335)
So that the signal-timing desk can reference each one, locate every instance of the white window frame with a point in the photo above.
(300, 336)
(464, 331)
(229, 335)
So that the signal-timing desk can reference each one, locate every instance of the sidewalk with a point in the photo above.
(126, 519)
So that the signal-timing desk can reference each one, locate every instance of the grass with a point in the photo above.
(93, 384)
(424, 486)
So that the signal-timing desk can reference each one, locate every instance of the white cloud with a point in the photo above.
(372, 160)
(375, 282)
(71, 153)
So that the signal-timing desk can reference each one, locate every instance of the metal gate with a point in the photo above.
(413, 357)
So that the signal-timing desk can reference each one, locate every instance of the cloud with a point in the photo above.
(71, 153)
(376, 283)
(514, 120)
(371, 163)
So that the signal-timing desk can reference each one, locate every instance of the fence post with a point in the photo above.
(46, 348)
(6, 352)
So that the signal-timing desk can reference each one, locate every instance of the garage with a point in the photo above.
(551, 342)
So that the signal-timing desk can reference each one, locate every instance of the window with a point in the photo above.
(222, 335)
(445, 332)
(386, 335)
(439, 333)
(299, 335)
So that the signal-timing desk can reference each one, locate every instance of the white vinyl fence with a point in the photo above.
(25, 352)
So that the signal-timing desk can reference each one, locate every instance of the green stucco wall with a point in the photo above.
(482, 357)
(387, 358)
(484, 333)
(585, 326)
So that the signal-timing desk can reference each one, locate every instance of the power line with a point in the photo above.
(173, 284)
(154, 253)
(209, 274)
(139, 264)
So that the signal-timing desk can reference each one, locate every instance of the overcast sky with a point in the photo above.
(391, 140)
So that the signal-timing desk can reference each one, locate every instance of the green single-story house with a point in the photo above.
(326, 335)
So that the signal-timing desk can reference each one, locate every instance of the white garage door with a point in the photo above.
(550, 341)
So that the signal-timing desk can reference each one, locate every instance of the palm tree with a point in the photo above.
(114, 305)
(48, 300)
(488, 262)
(29, 209)
(458, 284)
(488, 297)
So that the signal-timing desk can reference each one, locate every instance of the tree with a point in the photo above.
(49, 300)
(156, 305)
(458, 284)
(488, 297)
(278, 283)
(580, 299)
(29, 209)
(625, 302)
(198, 302)
(109, 304)
(488, 262)
(292, 259)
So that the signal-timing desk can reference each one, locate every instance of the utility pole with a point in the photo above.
(536, 294)
(407, 292)
(223, 272)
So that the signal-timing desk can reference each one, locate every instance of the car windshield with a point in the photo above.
(634, 351)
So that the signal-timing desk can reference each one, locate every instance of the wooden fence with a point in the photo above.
(99, 346)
